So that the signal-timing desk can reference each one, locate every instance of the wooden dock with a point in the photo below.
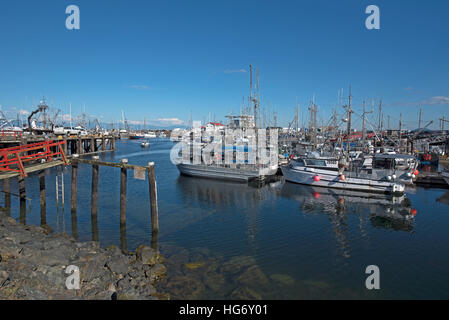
(73, 144)
(431, 179)
(32, 168)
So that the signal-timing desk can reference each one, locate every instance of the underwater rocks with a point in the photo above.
(197, 274)
(33, 265)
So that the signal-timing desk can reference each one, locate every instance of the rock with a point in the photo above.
(156, 272)
(93, 268)
(3, 277)
(129, 294)
(146, 255)
(194, 265)
(253, 276)
(245, 293)
(33, 264)
(236, 264)
(105, 295)
(183, 287)
(117, 264)
(47, 229)
(214, 281)
(283, 279)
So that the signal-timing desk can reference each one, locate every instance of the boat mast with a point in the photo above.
(349, 125)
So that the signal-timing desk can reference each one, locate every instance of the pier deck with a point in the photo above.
(32, 168)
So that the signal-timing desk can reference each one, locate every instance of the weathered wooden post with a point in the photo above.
(153, 198)
(123, 179)
(113, 143)
(73, 196)
(7, 191)
(80, 146)
(92, 144)
(43, 197)
(23, 200)
(94, 201)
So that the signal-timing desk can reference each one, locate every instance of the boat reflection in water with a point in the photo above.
(381, 210)
(245, 200)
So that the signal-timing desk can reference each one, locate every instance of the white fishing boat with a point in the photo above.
(233, 172)
(149, 134)
(323, 173)
(400, 167)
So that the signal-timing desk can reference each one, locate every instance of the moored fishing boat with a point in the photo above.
(323, 173)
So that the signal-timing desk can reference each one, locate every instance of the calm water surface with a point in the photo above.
(277, 241)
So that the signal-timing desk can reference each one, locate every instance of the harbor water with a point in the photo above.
(224, 240)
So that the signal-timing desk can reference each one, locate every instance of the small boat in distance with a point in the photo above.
(145, 144)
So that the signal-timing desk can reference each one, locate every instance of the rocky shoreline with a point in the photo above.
(34, 261)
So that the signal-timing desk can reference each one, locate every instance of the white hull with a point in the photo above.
(331, 179)
(224, 173)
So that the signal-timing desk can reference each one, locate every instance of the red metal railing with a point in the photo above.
(11, 133)
(13, 159)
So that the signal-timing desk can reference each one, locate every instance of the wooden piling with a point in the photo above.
(43, 197)
(113, 143)
(94, 202)
(92, 145)
(153, 198)
(7, 191)
(123, 179)
(73, 198)
(23, 201)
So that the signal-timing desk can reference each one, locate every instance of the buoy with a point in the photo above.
(414, 212)
(409, 174)
(394, 177)
(416, 172)
(342, 177)
(316, 178)
(413, 176)
(389, 178)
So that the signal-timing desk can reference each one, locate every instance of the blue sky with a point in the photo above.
(165, 59)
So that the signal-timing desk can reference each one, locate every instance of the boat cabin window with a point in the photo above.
(384, 163)
(316, 162)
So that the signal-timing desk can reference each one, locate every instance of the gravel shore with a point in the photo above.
(33, 265)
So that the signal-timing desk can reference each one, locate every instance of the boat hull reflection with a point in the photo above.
(385, 211)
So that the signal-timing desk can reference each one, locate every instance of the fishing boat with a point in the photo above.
(400, 168)
(233, 172)
(327, 172)
(149, 134)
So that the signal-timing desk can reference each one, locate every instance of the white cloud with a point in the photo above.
(235, 71)
(171, 121)
(438, 100)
